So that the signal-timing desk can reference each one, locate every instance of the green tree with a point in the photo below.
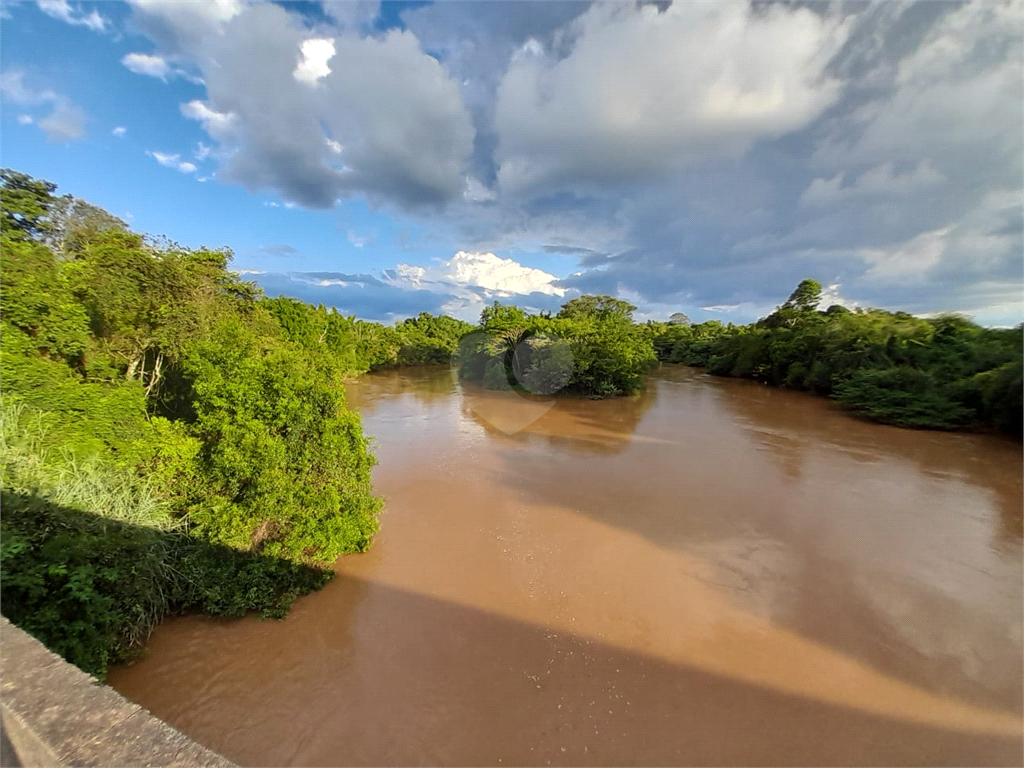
(806, 297)
(600, 307)
(25, 203)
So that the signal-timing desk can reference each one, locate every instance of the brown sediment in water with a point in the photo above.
(712, 572)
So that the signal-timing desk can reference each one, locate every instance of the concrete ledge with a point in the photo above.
(54, 714)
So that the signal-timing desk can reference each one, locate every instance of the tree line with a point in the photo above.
(942, 372)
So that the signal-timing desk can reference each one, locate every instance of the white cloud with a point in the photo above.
(469, 269)
(153, 65)
(685, 82)
(313, 60)
(406, 134)
(219, 125)
(951, 98)
(722, 152)
(830, 295)
(357, 241)
(147, 64)
(61, 9)
(172, 161)
(119, 131)
(25, 119)
(65, 121)
(212, 13)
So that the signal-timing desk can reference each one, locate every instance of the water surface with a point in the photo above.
(712, 572)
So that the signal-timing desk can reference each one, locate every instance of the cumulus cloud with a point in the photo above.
(63, 10)
(65, 122)
(460, 286)
(315, 55)
(398, 116)
(120, 131)
(667, 97)
(147, 64)
(492, 274)
(219, 125)
(156, 66)
(172, 161)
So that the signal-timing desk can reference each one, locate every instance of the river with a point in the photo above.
(712, 572)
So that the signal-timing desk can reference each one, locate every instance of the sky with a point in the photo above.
(393, 158)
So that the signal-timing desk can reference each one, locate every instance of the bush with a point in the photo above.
(284, 467)
(92, 555)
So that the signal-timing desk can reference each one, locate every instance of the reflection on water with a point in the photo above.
(575, 425)
(710, 572)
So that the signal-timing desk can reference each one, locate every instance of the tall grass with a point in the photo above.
(92, 557)
(32, 463)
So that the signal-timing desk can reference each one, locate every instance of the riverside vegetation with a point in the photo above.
(170, 439)
(173, 440)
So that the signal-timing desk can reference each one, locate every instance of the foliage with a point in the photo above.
(591, 347)
(284, 468)
(942, 372)
(171, 439)
(25, 202)
(92, 554)
(358, 346)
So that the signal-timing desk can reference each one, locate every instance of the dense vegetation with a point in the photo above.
(358, 345)
(171, 439)
(592, 347)
(941, 372)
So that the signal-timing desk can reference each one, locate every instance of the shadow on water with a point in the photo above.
(432, 682)
(835, 528)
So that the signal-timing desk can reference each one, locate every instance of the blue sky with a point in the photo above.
(389, 158)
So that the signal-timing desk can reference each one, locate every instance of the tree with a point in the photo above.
(26, 201)
(806, 297)
(678, 318)
(73, 223)
(600, 307)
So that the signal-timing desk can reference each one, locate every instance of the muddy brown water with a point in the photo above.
(712, 572)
